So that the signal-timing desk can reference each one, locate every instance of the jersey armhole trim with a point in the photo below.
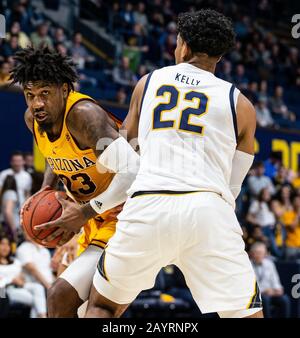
(233, 111)
(144, 92)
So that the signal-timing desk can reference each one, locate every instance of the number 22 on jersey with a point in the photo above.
(195, 98)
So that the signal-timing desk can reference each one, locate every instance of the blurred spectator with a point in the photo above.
(255, 235)
(137, 46)
(18, 291)
(121, 96)
(278, 106)
(64, 256)
(37, 181)
(259, 181)
(140, 17)
(251, 92)
(272, 164)
(23, 39)
(226, 71)
(279, 236)
(36, 263)
(281, 178)
(142, 71)
(168, 51)
(123, 75)
(296, 180)
(269, 283)
(29, 162)
(263, 91)
(20, 12)
(115, 18)
(4, 74)
(37, 177)
(23, 179)
(285, 197)
(79, 53)
(240, 79)
(263, 114)
(61, 49)
(10, 208)
(260, 212)
(293, 231)
(12, 46)
(41, 36)
(236, 54)
(60, 37)
(127, 16)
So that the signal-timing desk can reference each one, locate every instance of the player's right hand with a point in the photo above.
(26, 203)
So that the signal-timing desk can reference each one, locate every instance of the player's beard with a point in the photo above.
(45, 127)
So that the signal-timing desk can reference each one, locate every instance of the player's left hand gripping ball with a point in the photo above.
(71, 220)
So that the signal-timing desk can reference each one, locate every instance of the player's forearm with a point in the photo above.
(119, 157)
(240, 166)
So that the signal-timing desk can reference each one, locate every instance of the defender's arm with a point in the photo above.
(244, 155)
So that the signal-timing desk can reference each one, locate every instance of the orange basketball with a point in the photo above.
(41, 208)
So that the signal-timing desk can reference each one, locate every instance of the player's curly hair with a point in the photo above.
(43, 64)
(206, 31)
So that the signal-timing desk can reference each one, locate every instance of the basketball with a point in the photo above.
(43, 207)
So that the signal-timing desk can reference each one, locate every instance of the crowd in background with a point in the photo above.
(263, 67)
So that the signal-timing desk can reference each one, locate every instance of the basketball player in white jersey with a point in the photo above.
(196, 138)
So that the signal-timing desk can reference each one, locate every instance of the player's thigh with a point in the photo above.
(217, 269)
(81, 271)
(133, 256)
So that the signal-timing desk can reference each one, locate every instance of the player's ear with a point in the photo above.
(65, 90)
(185, 51)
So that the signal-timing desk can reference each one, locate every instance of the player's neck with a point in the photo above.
(55, 131)
(204, 63)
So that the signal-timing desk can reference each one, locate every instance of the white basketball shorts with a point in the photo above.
(198, 232)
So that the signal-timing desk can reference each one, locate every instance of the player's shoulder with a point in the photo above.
(165, 69)
(85, 111)
(225, 83)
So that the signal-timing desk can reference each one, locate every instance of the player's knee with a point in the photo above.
(55, 296)
(100, 311)
(62, 300)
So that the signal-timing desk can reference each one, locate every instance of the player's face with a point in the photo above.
(46, 102)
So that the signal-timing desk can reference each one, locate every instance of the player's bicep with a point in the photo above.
(91, 127)
(246, 121)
